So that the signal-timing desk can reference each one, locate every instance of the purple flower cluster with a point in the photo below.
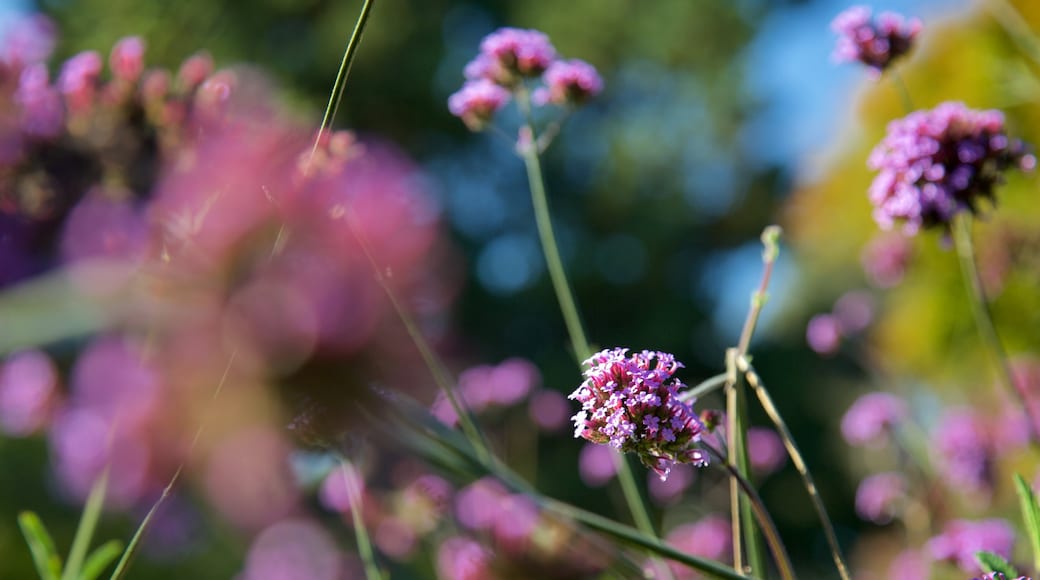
(631, 403)
(962, 539)
(507, 58)
(933, 164)
(873, 42)
(870, 419)
(999, 576)
(964, 449)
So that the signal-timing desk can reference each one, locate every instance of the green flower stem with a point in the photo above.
(984, 319)
(904, 92)
(766, 400)
(528, 149)
(364, 545)
(87, 525)
(705, 387)
(736, 429)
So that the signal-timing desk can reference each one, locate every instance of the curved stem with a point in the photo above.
(984, 319)
(528, 150)
(904, 92)
(765, 522)
(364, 544)
(796, 458)
(705, 387)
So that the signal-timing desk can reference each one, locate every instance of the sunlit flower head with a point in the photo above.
(873, 42)
(515, 53)
(936, 163)
(631, 403)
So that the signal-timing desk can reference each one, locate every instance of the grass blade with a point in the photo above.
(44, 555)
(1030, 515)
(100, 559)
(87, 524)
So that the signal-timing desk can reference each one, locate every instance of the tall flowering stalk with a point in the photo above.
(509, 58)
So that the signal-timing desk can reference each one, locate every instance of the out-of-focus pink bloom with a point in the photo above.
(477, 505)
(962, 446)
(885, 259)
(477, 102)
(520, 52)
(28, 392)
(291, 550)
(78, 80)
(568, 82)
(460, 558)
(596, 465)
(765, 450)
(512, 380)
(874, 43)
(870, 419)
(671, 490)
(100, 227)
(335, 492)
(549, 410)
(823, 334)
(41, 112)
(709, 537)
(516, 517)
(910, 564)
(194, 71)
(854, 312)
(962, 539)
(112, 379)
(878, 497)
(127, 58)
(395, 538)
(29, 40)
(248, 478)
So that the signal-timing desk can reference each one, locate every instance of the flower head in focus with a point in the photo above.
(873, 42)
(631, 402)
(934, 164)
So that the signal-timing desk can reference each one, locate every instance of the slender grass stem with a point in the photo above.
(87, 525)
(705, 387)
(364, 544)
(904, 92)
(984, 319)
(1016, 26)
(765, 522)
(528, 150)
(756, 384)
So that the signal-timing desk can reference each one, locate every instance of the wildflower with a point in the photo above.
(548, 410)
(885, 259)
(875, 43)
(910, 564)
(464, 559)
(127, 59)
(962, 539)
(631, 403)
(823, 334)
(28, 391)
(476, 102)
(596, 465)
(765, 450)
(962, 445)
(871, 417)
(709, 537)
(293, 548)
(194, 71)
(78, 79)
(878, 495)
(933, 164)
(509, 54)
(854, 312)
(41, 111)
(568, 82)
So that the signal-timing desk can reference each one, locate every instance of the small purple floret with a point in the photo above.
(874, 42)
(631, 403)
(477, 102)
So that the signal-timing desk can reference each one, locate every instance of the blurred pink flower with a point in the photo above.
(878, 497)
(710, 537)
(28, 392)
(596, 464)
(960, 540)
(669, 491)
(885, 259)
(549, 410)
(823, 334)
(461, 558)
(854, 312)
(870, 419)
(477, 505)
(765, 450)
(248, 478)
(293, 550)
(335, 493)
(127, 58)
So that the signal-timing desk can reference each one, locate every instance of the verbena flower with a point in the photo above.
(509, 54)
(127, 58)
(823, 334)
(871, 417)
(78, 79)
(963, 450)
(631, 403)
(933, 164)
(874, 42)
(962, 539)
(568, 82)
(476, 102)
(878, 496)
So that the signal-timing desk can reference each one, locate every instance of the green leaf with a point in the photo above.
(87, 524)
(101, 559)
(991, 562)
(1030, 515)
(44, 555)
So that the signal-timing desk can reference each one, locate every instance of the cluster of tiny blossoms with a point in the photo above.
(632, 403)
(875, 43)
(935, 163)
(510, 56)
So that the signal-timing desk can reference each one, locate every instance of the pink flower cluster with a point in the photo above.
(934, 164)
(507, 58)
(631, 402)
(960, 540)
(875, 43)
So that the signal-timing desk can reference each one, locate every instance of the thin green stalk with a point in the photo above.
(87, 524)
(705, 387)
(368, 557)
(904, 91)
(1016, 26)
(765, 522)
(528, 149)
(756, 384)
(984, 319)
(736, 429)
